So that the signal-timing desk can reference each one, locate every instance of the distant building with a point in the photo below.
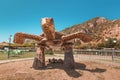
(4, 45)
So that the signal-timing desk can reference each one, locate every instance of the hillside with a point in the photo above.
(99, 27)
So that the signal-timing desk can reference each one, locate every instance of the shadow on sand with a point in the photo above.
(77, 72)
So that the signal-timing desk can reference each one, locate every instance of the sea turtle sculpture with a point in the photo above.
(51, 38)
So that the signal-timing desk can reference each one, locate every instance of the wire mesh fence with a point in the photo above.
(110, 56)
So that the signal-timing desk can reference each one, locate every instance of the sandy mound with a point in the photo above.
(22, 70)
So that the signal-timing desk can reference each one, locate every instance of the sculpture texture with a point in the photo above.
(49, 38)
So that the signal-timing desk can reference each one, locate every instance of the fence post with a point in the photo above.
(113, 55)
(9, 46)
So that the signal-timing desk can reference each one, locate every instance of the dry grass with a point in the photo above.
(4, 56)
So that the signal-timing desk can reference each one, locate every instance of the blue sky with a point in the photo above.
(25, 15)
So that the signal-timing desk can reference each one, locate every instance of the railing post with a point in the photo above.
(113, 55)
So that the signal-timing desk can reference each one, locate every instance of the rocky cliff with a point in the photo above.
(99, 27)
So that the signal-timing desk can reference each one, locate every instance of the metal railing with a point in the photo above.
(94, 54)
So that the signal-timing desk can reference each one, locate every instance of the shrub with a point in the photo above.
(50, 52)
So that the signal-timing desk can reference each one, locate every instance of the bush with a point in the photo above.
(50, 52)
(109, 43)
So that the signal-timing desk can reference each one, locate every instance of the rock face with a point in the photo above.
(112, 32)
(99, 27)
(101, 20)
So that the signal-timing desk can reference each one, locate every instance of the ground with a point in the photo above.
(85, 70)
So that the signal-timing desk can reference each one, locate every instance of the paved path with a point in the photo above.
(13, 60)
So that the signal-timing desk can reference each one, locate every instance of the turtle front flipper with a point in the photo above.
(84, 37)
(19, 38)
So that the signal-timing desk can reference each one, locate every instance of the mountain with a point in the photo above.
(99, 27)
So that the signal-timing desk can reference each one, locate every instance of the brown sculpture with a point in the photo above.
(51, 38)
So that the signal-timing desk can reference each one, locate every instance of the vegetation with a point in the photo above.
(4, 55)
(109, 43)
(49, 52)
(17, 54)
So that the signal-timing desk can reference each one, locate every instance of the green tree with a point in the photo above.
(117, 44)
(108, 43)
